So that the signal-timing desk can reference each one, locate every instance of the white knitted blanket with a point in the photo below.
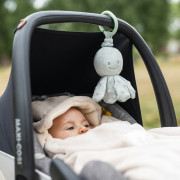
(137, 153)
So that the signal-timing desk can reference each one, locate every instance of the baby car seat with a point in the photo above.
(46, 62)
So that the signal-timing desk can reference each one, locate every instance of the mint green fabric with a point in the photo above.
(109, 13)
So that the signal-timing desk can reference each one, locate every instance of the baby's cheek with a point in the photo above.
(67, 133)
(61, 135)
(72, 133)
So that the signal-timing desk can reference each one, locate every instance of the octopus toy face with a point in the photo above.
(108, 61)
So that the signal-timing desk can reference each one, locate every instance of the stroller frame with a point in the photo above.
(24, 165)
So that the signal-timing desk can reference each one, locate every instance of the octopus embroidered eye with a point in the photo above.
(118, 61)
(108, 63)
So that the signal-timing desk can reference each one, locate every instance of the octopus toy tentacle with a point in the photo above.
(110, 95)
(130, 88)
(100, 89)
(121, 89)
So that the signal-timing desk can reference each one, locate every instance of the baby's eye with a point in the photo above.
(86, 125)
(70, 128)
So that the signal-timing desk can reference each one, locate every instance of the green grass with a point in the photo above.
(4, 77)
(149, 110)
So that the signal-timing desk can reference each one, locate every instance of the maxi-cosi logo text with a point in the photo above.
(18, 141)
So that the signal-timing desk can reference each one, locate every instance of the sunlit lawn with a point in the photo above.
(149, 110)
(4, 77)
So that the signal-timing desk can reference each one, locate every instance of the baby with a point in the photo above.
(71, 123)
(64, 116)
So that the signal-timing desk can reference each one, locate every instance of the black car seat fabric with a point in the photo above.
(6, 121)
(63, 62)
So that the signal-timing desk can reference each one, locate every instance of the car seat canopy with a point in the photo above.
(63, 62)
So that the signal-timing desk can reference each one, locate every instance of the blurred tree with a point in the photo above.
(154, 20)
(175, 19)
(4, 36)
(145, 15)
(11, 11)
(149, 17)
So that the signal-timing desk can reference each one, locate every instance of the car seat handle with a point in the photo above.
(59, 170)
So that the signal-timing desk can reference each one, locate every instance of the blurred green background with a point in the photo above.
(158, 21)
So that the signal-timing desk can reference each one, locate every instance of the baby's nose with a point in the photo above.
(82, 130)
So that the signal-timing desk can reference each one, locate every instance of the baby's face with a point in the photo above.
(71, 123)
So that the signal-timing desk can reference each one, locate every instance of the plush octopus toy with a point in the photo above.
(108, 63)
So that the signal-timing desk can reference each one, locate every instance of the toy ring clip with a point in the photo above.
(109, 13)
